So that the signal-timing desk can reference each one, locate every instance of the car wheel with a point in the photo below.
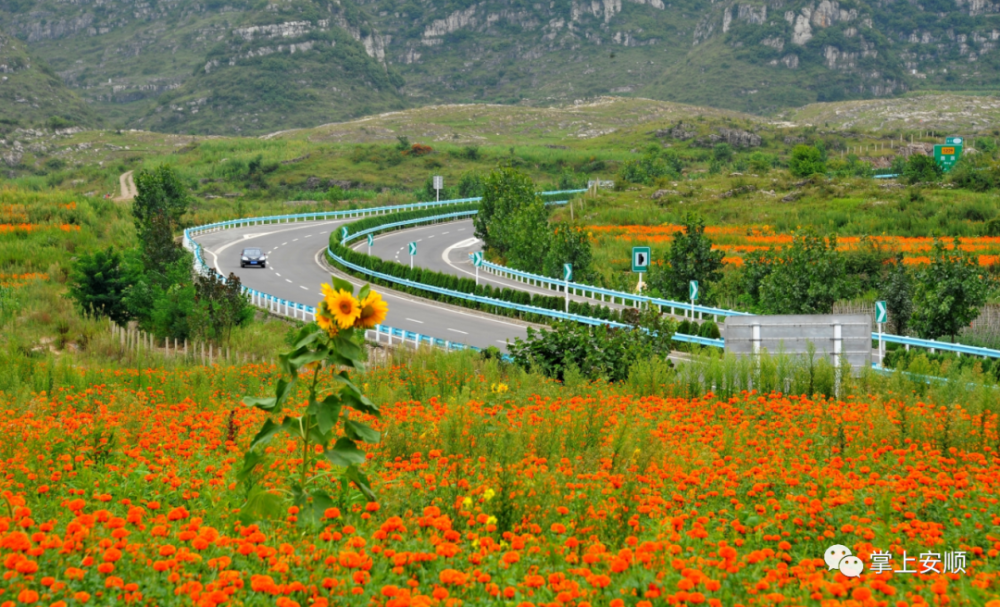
(243, 265)
(263, 265)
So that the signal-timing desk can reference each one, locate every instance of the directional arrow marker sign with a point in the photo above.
(343, 232)
(693, 290)
(371, 240)
(413, 248)
(567, 271)
(477, 259)
(640, 259)
(881, 312)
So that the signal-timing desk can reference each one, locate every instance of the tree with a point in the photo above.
(723, 152)
(470, 185)
(159, 191)
(507, 192)
(99, 282)
(806, 278)
(948, 294)
(920, 168)
(691, 258)
(568, 244)
(806, 160)
(898, 294)
(160, 201)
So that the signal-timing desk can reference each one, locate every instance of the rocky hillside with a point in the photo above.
(250, 66)
(31, 94)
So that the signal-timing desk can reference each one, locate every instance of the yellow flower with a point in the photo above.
(491, 520)
(342, 307)
(373, 310)
(467, 503)
(324, 321)
(488, 494)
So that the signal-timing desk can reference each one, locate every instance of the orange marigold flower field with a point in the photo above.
(118, 494)
(737, 240)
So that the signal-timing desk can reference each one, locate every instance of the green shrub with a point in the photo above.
(806, 160)
(710, 330)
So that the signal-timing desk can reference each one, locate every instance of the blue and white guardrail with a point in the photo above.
(301, 311)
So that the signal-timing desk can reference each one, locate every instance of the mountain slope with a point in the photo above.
(32, 95)
(252, 66)
(240, 66)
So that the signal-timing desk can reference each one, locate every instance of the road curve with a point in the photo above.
(445, 248)
(296, 269)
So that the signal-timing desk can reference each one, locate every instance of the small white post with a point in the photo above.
(881, 352)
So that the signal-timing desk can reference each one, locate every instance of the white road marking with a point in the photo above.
(309, 236)
(457, 331)
(431, 236)
(276, 274)
(288, 280)
(295, 240)
(444, 233)
(304, 287)
(284, 243)
(461, 229)
(502, 341)
(419, 322)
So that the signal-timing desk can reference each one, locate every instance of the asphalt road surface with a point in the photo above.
(445, 247)
(296, 269)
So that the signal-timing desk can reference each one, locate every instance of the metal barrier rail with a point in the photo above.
(577, 288)
(489, 301)
(580, 288)
(297, 310)
(385, 226)
(348, 214)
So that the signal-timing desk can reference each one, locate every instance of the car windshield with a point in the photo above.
(251, 252)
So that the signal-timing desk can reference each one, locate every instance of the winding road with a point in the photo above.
(296, 268)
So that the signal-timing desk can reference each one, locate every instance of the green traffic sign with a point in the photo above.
(946, 156)
(640, 259)
(413, 248)
(477, 259)
(371, 240)
(693, 290)
(343, 232)
(567, 271)
(881, 312)
(953, 141)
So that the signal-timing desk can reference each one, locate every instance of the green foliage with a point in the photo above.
(710, 330)
(219, 307)
(976, 172)
(99, 282)
(948, 294)
(568, 244)
(805, 278)
(470, 185)
(599, 352)
(760, 162)
(806, 160)
(722, 152)
(898, 295)
(691, 258)
(921, 169)
(326, 429)
(654, 163)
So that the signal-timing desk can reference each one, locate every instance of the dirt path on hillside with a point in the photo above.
(127, 184)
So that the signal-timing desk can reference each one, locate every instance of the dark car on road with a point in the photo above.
(253, 257)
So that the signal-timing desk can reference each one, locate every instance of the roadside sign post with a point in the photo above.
(640, 263)
(343, 234)
(438, 186)
(693, 293)
(371, 240)
(567, 276)
(948, 154)
(413, 253)
(477, 260)
(881, 317)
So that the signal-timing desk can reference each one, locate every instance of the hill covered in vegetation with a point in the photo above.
(253, 67)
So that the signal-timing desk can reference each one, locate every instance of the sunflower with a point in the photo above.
(373, 310)
(342, 307)
(324, 320)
